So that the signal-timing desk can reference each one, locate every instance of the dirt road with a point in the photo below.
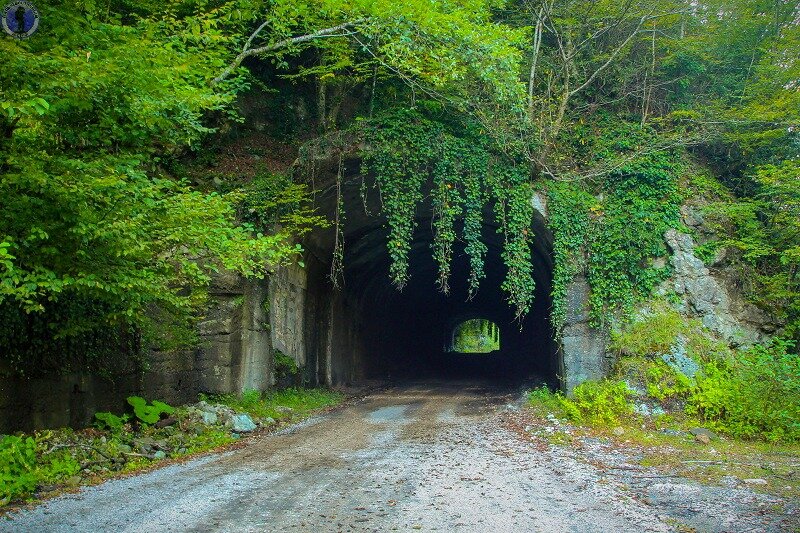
(425, 456)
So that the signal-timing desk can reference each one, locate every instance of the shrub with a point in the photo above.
(757, 394)
(652, 333)
(149, 414)
(657, 331)
(17, 467)
(595, 402)
(544, 397)
(56, 468)
(598, 402)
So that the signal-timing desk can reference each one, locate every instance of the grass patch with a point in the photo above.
(776, 464)
(649, 439)
(279, 405)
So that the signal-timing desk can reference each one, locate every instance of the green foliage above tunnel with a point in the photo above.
(413, 156)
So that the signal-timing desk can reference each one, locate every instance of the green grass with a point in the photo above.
(300, 402)
(675, 454)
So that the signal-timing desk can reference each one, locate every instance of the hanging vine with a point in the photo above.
(608, 230)
(613, 235)
(337, 261)
(401, 159)
(474, 200)
(514, 213)
(446, 201)
(406, 151)
(569, 208)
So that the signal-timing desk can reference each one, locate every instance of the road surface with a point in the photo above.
(424, 456)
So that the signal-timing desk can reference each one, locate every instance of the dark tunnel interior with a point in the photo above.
(379, 332)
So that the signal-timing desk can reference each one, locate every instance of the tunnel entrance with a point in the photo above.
(367, 329)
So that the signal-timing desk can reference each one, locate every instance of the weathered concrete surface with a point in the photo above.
(235, 354)
(287, 288)
(427, 456)
(583, 347)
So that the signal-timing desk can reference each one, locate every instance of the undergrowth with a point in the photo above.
(673, 365)
(278, 404)
(49, 461)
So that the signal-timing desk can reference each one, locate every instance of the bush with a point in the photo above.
(650, 334)
(595, 402)
(598, 402)
(657, 331)
(544, 397)
(755, 395)
(17, 467)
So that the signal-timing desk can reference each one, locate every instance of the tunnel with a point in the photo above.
(367, 329)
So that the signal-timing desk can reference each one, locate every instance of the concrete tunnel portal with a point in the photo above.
(368, 329)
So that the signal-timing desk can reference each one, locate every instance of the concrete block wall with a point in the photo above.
(235, 353)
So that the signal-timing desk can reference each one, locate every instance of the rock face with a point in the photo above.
(679, 361)
(705, 295)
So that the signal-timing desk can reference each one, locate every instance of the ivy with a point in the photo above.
(569, 208)
(474, 198)
(612, 234)
(629, 233)
(514, 212)
(447, 208)
(401, 165)
(407, 152)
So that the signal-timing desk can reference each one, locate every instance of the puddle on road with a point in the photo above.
(391, 414)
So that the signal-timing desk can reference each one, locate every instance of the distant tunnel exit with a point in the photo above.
(476, 335)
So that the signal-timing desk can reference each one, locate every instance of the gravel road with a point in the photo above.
(424, 456)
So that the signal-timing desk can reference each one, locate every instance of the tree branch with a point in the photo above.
(247, 51)
(610, 59)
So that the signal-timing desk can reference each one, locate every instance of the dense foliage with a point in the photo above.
(92, 219)
(464, 107)
(409, 153)
(752, 393)
(614, 236)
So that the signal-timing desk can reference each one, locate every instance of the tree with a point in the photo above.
(109, 99)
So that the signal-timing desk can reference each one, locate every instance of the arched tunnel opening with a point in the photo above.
(370, 330)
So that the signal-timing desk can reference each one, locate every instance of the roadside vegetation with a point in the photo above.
(47, 462)
(675, 371)
(691, 404)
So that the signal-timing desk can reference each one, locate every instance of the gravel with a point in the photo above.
(425, 456)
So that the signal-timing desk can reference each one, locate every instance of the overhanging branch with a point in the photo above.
(247, 51)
